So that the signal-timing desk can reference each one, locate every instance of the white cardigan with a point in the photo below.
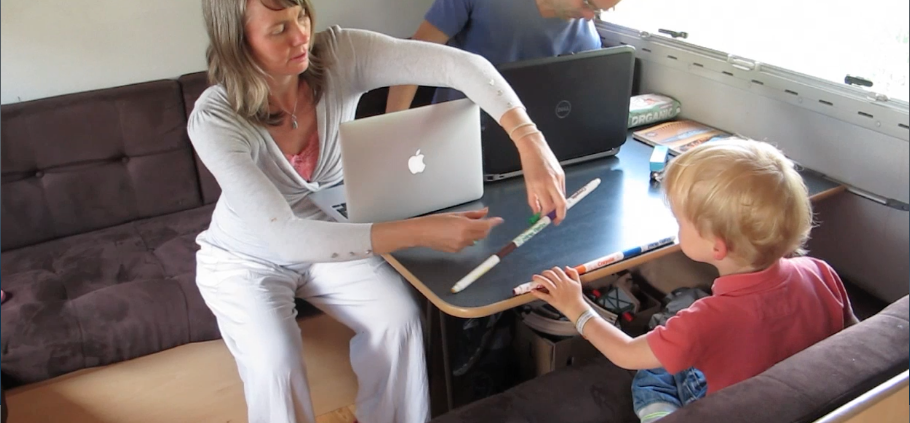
(263, 212)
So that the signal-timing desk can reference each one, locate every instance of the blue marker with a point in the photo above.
(604, 261)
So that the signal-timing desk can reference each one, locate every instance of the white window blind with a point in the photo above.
(828, 39)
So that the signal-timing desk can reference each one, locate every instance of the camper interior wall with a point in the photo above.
(867, 242)
(55, 47)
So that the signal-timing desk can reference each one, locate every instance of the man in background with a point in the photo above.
(505, 31)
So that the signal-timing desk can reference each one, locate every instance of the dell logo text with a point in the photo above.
(563, 108)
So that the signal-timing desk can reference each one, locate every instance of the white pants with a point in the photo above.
(253, 302)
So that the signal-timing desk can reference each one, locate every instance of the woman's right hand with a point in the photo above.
(453, 232)
(448, 232)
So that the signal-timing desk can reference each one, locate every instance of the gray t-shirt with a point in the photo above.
(263, 212)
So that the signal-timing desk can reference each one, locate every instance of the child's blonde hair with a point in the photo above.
(744, 192)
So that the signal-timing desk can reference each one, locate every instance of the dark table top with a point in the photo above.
(625, 211)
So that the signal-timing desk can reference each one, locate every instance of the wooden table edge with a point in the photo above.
(474, 312)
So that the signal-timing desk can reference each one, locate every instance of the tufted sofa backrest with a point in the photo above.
(81, 162)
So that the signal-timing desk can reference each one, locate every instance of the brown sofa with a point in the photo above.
(102, 199)
(803, 388)
(101, 202)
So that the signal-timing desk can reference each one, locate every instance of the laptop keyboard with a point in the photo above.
(342, 208)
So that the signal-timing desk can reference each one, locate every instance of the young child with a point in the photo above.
(741, 207)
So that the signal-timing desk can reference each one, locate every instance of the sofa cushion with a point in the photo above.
(3, 407)
(817, 380)
(102, 297)
(193, 85)
(596, 392)
(80, 162)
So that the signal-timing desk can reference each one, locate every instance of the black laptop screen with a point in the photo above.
(580, 103)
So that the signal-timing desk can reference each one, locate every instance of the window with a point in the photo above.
(828, 39)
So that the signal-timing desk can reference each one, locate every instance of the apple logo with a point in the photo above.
(415, 163)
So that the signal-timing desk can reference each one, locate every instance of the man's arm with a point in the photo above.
(573, 9)
(401, 96)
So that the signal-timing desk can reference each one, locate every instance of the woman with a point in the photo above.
(267, 130)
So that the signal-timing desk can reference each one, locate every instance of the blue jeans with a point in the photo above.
(656, 393)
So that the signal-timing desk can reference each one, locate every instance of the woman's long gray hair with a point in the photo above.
(231, 63)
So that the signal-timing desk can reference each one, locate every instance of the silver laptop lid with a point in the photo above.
(412, 162)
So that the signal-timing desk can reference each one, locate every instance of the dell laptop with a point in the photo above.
(580, 102)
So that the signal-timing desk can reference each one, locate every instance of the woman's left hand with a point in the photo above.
(544, 177)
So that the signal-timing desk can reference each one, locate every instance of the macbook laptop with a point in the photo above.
(405, 164)
(580, 102)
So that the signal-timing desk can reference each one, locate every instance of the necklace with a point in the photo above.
(296, 102)
(293, 115)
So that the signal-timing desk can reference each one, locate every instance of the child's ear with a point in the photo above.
(720, 249)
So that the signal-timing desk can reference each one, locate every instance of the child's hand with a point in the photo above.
(562, 289)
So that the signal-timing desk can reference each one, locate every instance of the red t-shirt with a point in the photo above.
(753, 321)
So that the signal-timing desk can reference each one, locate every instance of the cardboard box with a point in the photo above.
(540, 353)
(639, 324)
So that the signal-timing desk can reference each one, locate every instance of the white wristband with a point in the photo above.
(580, 323)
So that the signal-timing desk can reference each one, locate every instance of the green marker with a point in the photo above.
(534, 218)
